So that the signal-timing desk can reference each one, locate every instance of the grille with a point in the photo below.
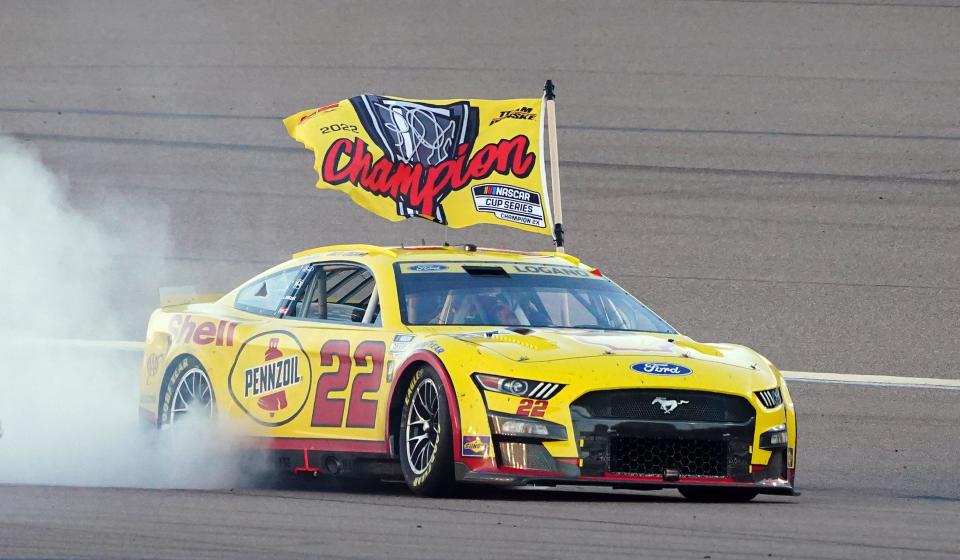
(690, 457)
(654, 404)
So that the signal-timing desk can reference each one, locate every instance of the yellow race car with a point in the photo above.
(465, 365)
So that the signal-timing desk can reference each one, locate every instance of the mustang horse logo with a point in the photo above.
(668, 405)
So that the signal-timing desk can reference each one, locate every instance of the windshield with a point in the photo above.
(506, 294)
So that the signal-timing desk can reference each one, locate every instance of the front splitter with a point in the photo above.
(512, 477)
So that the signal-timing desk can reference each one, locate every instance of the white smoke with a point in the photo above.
(69, 413)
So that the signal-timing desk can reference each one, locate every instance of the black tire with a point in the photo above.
(178, 372)
(729, 495)
(427, 462)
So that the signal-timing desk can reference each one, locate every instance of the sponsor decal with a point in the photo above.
(509, 203)
(551, 270)
(668, 405)
(432, 346)
(427, 267)
(520, 113)
(660, 368)
(318, 111)
(271, 377)
(184, 329)
(427, 154)
(152, 364)
(400, 343)
(475, 446)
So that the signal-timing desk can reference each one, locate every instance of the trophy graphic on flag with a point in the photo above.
(415, 132)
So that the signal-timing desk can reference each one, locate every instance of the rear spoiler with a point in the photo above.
(174, 296)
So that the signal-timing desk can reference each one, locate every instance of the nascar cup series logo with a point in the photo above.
(510, 204)
(270, 378)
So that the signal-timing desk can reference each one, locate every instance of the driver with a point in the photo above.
(423, 308)
(499, 310)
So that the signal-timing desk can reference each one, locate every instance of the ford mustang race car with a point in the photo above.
(464, 365)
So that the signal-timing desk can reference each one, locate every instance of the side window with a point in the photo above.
(264, 295)
(341, 293)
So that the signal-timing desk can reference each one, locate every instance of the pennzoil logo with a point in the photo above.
(270, 377)
(520, 113)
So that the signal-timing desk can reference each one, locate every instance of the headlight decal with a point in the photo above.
(540, 390)
(545, 392)
(771, 398)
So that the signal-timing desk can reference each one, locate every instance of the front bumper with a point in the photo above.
(641, 453)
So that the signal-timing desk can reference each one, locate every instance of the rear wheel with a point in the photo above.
(426, 446)
(187, 394)
(699, 494)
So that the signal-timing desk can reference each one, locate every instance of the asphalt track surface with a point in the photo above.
(785, 174)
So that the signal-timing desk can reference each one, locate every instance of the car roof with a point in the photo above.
(438, 253)
(419, 253)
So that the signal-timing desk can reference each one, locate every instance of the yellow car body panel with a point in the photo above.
(331, 387)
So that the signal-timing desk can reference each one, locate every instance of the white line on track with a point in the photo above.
(881, 380)
(795, 376)
(127, 345)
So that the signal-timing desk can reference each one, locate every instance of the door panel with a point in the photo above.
(321, 372)
(349, 392)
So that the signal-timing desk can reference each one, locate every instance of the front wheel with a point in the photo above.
(426, 441)
(698, 494)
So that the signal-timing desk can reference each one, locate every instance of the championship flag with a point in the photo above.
(455, 162)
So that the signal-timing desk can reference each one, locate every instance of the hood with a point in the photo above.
(541, 345)
(579, 350)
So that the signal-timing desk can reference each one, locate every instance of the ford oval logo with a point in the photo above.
(660, 368)
(428, 267)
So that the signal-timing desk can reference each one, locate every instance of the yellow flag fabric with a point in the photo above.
(456, 162)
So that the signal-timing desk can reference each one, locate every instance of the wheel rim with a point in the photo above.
(192, 397)
(422, 426)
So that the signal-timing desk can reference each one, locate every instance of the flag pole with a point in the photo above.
(550, 98)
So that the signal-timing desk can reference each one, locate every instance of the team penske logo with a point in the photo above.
(270, 377)
(520, 113)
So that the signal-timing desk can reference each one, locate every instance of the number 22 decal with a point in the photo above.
(530, 407)
(362, 413)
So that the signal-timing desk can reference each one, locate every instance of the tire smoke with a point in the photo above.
(68, 412)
